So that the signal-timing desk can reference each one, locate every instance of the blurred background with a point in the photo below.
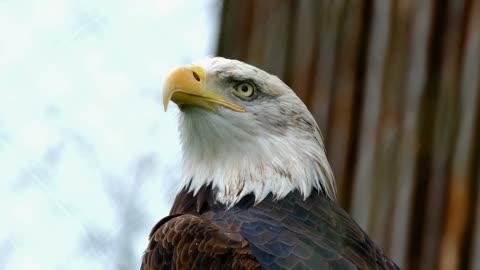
(89, 160)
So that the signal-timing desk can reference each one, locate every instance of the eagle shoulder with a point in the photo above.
(293, 233)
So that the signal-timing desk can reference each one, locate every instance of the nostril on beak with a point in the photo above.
(195, 75)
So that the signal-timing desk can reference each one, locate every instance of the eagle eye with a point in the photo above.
(244, 90)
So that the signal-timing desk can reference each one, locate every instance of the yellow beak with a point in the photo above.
(185, 86)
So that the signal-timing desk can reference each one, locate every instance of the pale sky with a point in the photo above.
(88, 157)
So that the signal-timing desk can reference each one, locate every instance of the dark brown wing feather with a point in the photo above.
(291, 233)
(192, 242)
(313, 234)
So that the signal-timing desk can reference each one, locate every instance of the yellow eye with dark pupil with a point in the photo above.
(244, 90)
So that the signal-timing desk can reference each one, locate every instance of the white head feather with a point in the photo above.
(275, 146)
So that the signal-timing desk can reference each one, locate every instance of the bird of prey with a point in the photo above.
(257, 191)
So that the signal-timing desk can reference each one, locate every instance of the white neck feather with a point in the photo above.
(236, 159)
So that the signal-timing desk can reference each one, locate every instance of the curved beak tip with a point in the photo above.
(167, 96)
(165, 104)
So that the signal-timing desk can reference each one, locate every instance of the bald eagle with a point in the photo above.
(257, 191)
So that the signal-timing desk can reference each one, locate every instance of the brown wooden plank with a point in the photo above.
(474, 260)
(268, 43)
(474, 32)
(302, 51)
(339, 139)
(443, 104)
(474, 237)
(235, 28)
(259, 25)
(409, 137)
(391, 117)
(459, 195)
(327, 31)
(361, 205)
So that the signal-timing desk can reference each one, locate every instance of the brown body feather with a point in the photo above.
(192, 242)
(286, 234)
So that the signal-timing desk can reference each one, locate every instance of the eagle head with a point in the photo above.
(244, 131)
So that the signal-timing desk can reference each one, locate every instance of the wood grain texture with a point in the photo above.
(365, 167)
(463, 163)
(327, 25)
(441, 112)
(415, 83)
(473, 233)
(344, 94)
